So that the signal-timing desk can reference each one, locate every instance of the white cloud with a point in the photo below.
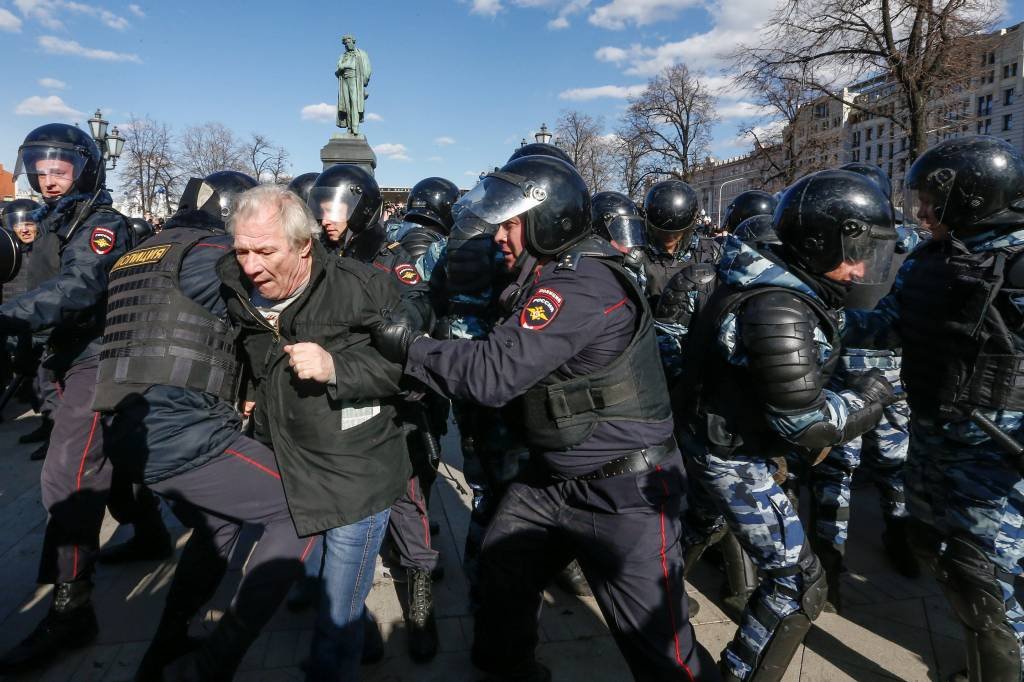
(742, 110)
(370, 116)
(52, 83)
(602, 91)
(558, 23)
(41, 11)
(55, 45)
(618, 13)
(46, 12)
(107, 17)
(51, 106)
(136, 10)
(393, 151)
(319, 112)
(611, 54)
(444, 140)
(487, 8)
(9, 22)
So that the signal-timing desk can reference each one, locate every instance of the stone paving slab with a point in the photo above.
(891, 629)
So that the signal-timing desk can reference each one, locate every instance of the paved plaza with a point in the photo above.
(892, 628)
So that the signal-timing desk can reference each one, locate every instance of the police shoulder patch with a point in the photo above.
(102, 240)
(541, 309)
(407, 274)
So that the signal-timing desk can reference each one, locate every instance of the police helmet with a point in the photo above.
(430, 203)
(20, 211)
(48, 148)
(10, 256)
(548, 193)
(671, 206)
(969, 184)
(301, 184)
(617, 218)
(745, 205)
(757, 230)
(540, 149)
(215, 194)
(833, 217)
(346, 192)
(142, 229)
(874, 172)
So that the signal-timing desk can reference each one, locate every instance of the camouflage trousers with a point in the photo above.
(971, 492)
(766, 525)
(884, 451)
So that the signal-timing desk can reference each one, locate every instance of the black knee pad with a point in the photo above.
(969, 579)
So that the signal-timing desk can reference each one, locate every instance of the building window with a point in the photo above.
(878, 154)
(856, 138)
(1009, 70)
(867, 153)
(1007, 121)
(991, 76)
(868, 132)
(855, 155)
(891, 148)
(991, 57)
(1008, 96)
(881, 130)
(985, 105)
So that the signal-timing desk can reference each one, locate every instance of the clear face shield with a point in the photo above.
(868, 252)
(50, 160)
(626, 230)
(925, 201)
(334, 204)
(500, 196)
(23, 224)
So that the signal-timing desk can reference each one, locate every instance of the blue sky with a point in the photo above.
(456, 83)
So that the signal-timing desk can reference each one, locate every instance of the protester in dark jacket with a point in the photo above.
(325, 399)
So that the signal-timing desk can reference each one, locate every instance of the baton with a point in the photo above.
(430, 445)
(1005, 441)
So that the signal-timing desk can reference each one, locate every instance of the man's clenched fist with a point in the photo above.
(310, 361)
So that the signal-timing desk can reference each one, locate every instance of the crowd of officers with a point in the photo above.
(629, 391)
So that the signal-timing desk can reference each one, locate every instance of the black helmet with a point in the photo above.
(969, 183)
(836, 216)
(757, 230)
(20, 211)
(616, 218)
(671, 206)
(215, 194)
(61, 142)
(301, 184)
(10, 256)
(549, 194)
(540, 149)
(346, 192)
(142, 229)
(431, 201)
(874, 172)
(747, 204)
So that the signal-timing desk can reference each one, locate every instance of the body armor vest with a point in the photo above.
(155, 335)
(962, 341)
(562, 410)
(716, 397)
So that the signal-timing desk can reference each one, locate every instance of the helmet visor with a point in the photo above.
(16, 221)
(61, 162)
(924, 203)
(867, 253)
(500, 196)
(334, 204)
(627, 230)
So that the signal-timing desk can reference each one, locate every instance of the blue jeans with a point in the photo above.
(350, 554)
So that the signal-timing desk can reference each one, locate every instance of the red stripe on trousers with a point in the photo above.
(78, 486)
(309, 547)
(668, 586)
(253, 462)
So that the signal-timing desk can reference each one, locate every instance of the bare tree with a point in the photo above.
(209, 148)
(928, 49)
(673, 117)
(149, 169)
(631, 158)
(266, 161)
(580, 136)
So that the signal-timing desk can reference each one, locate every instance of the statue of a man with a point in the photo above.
(353, 74)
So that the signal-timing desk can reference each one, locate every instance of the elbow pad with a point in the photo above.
(824, 434)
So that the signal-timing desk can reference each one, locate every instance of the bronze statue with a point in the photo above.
(353, 74)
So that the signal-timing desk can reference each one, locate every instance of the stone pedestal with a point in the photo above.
(345, 148)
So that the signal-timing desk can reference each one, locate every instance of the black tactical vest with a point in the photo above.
(961, 331)
(561, 411)
(716, 398)
(155, 335)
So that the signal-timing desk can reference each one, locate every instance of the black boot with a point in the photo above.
(373, 642)
(572, 580)
(171, 641)
(151, 542)
(526, 672)
(831, 557)
(40, 434)
(39, 453)
(898, 549)
(219, 656)
(71, 623)
(420, 621)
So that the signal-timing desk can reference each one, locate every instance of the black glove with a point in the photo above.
(872, 386)
(399, 328)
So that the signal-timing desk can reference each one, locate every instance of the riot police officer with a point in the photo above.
(80, 231)
(747, 205)
(347, 202)
(962, 363)
(754, 387)
(578, 356)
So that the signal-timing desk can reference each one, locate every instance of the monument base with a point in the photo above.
(348, 149)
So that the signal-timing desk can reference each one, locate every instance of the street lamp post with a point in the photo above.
(112, 144)
(727, 182)
(543, 135)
